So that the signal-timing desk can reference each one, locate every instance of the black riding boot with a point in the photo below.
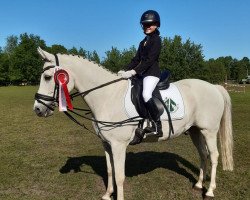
(155, 116)
(139, 134)
(156, 124)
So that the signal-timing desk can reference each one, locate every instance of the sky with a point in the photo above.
(221, 27)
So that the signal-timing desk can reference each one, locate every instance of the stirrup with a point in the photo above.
(154, 128)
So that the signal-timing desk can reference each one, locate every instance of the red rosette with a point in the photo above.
(61, 78)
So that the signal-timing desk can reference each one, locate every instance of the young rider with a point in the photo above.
(146, 65)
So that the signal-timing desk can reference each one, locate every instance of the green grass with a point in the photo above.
(33, 150)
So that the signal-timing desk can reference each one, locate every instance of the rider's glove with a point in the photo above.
(120, 72)
(127, 74)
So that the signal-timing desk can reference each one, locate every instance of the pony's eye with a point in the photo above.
(47, 77)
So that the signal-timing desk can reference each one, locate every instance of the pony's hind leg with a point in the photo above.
(200, 143)
(211, 141)
(109, 161)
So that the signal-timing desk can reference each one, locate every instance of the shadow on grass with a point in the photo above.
(136, 164)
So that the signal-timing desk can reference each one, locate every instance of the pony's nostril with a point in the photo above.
(37, 109)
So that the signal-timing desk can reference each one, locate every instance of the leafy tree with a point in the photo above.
(94, 57)
(246, 62)
(117, 60)
(239, 70)
(126, 56)
(25, 63)
(12, 42)
(112, 61)
(217, 71)
(185, 60)
(234, 70)
(82, 52)
(228, 64)
(57, 48)
(4, 69)
(73, 51)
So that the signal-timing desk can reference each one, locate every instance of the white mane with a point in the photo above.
(86, 62)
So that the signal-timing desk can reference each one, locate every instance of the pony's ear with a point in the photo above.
(45, 55)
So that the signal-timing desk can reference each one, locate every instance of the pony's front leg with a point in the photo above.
(119, 156)
(109, 160)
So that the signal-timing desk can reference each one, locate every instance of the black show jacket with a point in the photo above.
(146, 60)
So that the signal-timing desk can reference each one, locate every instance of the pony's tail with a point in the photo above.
(225, 132)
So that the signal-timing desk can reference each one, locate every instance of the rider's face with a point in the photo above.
(149, 27)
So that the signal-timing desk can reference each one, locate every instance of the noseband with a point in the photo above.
(54, 99)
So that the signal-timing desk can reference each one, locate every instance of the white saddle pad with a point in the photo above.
(171, 96)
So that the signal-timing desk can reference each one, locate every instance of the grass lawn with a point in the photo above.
(35, 151)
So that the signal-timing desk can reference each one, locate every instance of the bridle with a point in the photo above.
(54, 99)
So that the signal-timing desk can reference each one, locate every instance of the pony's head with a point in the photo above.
(47, 96)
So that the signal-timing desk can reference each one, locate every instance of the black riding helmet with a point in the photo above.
(150, 16)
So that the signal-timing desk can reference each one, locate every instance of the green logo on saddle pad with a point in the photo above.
(171, 105)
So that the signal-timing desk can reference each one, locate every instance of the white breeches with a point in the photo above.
(149, 84)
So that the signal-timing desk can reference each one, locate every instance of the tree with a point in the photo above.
(227, 61)
(57, 48)
(239, 70)
(73, 51)
(94, 57)
(126, 57)
(12, 42)
(216, 71)
(184, 60)
(246, 63)
(117, 60)
(82, 52)
(4, 69)
(25, 63)
(112, 61)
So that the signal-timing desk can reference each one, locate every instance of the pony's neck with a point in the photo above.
(88, 75)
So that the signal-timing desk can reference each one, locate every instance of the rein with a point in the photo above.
(76, 94)
(111, 125)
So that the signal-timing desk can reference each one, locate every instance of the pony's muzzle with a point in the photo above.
(41, 110)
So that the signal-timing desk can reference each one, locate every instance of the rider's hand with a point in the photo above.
(128, 74)
(120, 72)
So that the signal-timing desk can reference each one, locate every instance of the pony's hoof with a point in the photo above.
(197, 189)
(208, 197)
(105, 197)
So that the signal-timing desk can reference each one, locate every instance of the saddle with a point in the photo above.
(136, 94)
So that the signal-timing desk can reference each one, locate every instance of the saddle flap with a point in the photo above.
(137, 98)
(171, 97)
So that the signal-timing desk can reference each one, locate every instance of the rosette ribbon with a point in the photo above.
(61, 78)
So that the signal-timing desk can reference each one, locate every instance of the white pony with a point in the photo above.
(207, 113)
